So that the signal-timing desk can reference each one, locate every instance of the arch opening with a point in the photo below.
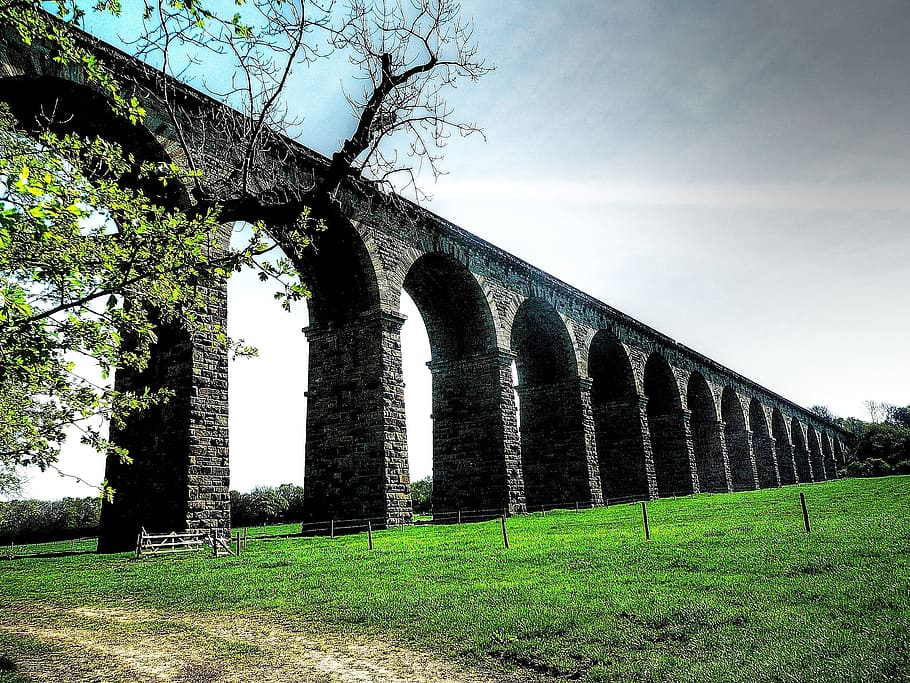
(828, 456)
(713, 474)
(838, 452)
(669, 442)
(783, 448)
(418, 393)
(472, 388)
(617, 412)
(551, 413)
(800, 452)
(815, 455)
(738, 439)
(267, 434)
(50, 103)
(762, 446)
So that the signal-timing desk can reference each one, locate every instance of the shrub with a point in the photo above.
(422, 495)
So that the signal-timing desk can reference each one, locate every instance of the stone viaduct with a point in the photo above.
(609, 408)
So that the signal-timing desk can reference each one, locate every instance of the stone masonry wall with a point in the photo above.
(476, 451)
(348, 472)
(554, 447)
(179, 477)
(625, 458)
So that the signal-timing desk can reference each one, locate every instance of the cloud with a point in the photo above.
(793, 196)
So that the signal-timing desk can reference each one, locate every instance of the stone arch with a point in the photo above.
(828, 456)
(707, 436)
(341, 275)
(762, 446)
(356, 449)
(739, 441)
(619, 420)
(553, 438)
(178, 478)
(838, 452)
(815, 455)
(476, 456)
(783, 448)
(670, 441)
(800, 452)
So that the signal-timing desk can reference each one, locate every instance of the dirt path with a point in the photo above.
(153, 646)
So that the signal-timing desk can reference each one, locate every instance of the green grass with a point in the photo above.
(729, 588)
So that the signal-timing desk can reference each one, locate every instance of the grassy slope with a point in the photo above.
(729, 588)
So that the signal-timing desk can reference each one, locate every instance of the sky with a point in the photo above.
(733, 174)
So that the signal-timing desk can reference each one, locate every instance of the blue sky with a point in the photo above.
(734, 174)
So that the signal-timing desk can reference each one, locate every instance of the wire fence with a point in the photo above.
(69, 546)
(793, 510)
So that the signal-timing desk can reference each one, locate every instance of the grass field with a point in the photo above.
(729, 588)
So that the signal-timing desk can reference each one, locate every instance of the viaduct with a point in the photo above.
(610, 409)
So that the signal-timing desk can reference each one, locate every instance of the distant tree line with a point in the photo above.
(37, 521)
(422, 495)
(880, 446)
(267, 505)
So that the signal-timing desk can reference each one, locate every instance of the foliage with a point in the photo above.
(824, 412)
(729, 588)
(88, 268)
(267, 505)
(36, 521)
(90, 264)
(882, 447)
(422, 495)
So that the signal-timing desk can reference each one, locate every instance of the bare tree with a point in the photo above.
(879, 411)
(824, 412)
(407, 53)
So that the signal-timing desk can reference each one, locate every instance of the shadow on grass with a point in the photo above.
(9, 672)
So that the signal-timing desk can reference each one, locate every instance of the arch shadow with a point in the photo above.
(762, 448)
(476, 458)
(800, 453)
(713, 473)
(666, 422)
(553, 444)
(617, 412)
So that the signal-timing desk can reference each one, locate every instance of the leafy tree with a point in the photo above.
(267, 505)
(88, 268)
(422, 495)
(34, 521)
(899, 417)
(881, 447)
(94, 250)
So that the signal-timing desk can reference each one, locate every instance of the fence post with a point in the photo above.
(644, 515)
(459, 516)
(138, 544)
(370, 533)
(332, 529)
(505, 534)
(215, 542)
(802, 502)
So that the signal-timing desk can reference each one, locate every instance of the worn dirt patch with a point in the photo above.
(155, 646)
